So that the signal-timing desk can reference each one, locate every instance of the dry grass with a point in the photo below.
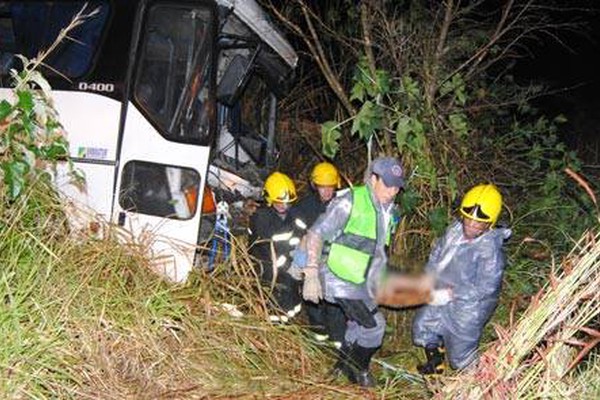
(86, 318)
(536, 356)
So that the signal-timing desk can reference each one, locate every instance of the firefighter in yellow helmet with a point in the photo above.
(326, 319)
(272, 238)
(466, 265)
(324, 181)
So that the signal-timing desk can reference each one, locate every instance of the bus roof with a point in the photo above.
(249, 12)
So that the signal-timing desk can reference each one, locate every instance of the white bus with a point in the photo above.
(162, 98)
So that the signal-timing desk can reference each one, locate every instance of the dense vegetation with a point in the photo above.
(434, 83)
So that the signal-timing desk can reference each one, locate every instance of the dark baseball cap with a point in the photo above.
(390, 170)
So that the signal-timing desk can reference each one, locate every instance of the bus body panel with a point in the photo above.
(142, 145)
(91, 121)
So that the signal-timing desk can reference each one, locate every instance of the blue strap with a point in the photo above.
(220, 243)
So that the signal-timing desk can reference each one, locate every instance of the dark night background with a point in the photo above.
(567, 65)
(571, 72)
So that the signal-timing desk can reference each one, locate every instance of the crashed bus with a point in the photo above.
(160, 100)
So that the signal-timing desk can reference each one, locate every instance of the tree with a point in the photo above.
(432, 81)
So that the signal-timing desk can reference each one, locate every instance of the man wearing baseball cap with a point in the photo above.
(356, 228)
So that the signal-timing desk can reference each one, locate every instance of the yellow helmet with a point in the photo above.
(325, 174)
(279, 188)
(482, 203)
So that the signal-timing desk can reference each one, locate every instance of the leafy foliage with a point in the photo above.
(432, 85)
(32, 139)
(330, 133)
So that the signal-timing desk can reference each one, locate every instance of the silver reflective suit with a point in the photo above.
(473, 270)
(329, 226)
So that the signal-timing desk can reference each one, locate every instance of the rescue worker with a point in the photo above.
(326, 319)
(272, 240)
(466, 266)
(357, 228)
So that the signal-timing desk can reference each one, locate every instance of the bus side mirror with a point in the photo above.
(233, 81)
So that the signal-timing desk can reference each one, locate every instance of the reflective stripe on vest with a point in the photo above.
(351, 253)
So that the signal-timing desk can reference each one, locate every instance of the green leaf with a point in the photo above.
(28, 126)
(452, 185)
(409, 199)
(362, 81)
(417, 127)
(461, 96)
(25, 100)
(5, 109)
(368, 120)
(446, 88)
(411, 88)
(330, 136)
(56, 150)
(52, 124)
(403, 128)
(458, 124)
(416, 140)
(14, 177)
(358, 92)
(382, 82)
(456, 88)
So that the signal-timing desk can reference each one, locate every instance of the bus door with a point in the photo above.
(169, 126)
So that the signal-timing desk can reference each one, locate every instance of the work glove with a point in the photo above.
(440, 297)
(357, 311)
(311, 290)
(296, 272)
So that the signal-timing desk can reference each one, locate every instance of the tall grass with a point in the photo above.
(536, 356)
(86, 318)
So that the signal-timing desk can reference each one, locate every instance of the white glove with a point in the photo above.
(311, 290)
(440, 297)
(296, 272)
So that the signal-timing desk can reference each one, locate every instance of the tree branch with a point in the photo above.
(317, 51)
(439, 51)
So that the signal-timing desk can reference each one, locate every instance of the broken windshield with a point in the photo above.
(173, 79)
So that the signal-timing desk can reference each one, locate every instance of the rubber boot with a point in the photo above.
(361, 360)
(435, 361)
(343, 365)
(335, 323)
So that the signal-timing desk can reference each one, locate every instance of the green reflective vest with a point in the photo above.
(350, 254)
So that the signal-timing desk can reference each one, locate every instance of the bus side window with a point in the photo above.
(7, 40)
(159, 190)
(154, 88)
(29, 28)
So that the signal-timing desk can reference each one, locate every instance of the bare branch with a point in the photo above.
(441, 44)
(368, 43)
(318, 53)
